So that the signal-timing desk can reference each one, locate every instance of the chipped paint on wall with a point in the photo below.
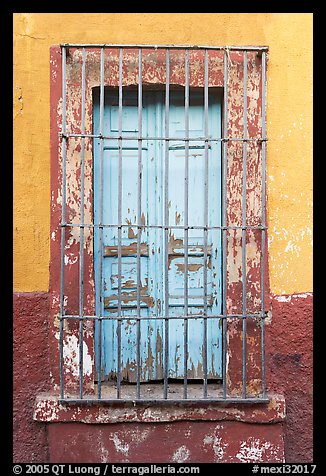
(234, 442)
(292, 297)
(120, 446)
(215, 439)
(253, 450)
(273, 412)
(181, 454)
(71, 357)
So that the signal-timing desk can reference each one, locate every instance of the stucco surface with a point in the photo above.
(181, 442)
(289, 123)
(290, 370)
(289, 214)
(31, 375)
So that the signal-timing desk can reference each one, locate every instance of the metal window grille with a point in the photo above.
(220, 393)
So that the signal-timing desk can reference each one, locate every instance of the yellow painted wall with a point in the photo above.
(289, 128)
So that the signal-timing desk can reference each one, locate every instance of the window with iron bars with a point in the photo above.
(162, 203)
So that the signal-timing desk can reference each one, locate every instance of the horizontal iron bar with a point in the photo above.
(175, 139)
(171, 46)
(164, 401)
(180, 227)
(146, 318)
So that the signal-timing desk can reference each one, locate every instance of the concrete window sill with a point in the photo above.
(49, 409)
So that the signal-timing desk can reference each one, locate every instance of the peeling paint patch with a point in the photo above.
(70, 259)
(119, 446)
(253, 450)
(181, 455)
(46, 411)
(71, 357)
(289, 298)
(283, 298)
(219, 447)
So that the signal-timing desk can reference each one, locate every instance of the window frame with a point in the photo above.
(82, 365)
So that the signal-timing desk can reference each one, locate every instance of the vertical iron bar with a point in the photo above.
(263, 222)
(186, 230)
(100, 261)
(205, 223)
(119, 221)
(224, 220)
(63, 219)
(140, 105)
(166, 222)
(81, 229)
(244, 234)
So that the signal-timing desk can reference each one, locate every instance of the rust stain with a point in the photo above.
(177, 218)
(128, 371)
(159, 306)
(254, 386)
(172, 243)
(131, 233)
(149, 362)
(192, 267)
(129, 284)
(159, 352)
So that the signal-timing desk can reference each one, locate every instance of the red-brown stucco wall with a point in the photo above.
(289, 341)
(31, 375)
(179, 442)
(289, 371)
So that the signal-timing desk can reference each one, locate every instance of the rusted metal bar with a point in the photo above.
(63, 218)
(224, 222)
(166, 230)
(139, 249)
(170, 227)
(172, 401)
(146, 318)
(263, 235)
(186, 212)
(160, 138)
(119, 376)
(205, 224)
(140, 107)
(100, 264)
(81, 228)
(167, 46)
(244, 234)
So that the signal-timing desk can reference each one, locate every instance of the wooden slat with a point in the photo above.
(193, 250)
(128, 250)
(128, 300)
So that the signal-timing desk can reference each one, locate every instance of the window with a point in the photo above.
(162, 167)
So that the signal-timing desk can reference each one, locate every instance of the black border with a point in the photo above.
(6, 19)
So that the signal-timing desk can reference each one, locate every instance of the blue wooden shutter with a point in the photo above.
(152, 243)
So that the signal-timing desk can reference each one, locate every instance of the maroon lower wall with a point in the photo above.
(31, 375)
(177, 442)
(289, 372)
(289, 368)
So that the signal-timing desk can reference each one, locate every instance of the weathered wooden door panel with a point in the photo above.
(196, 213)
(152, 242)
